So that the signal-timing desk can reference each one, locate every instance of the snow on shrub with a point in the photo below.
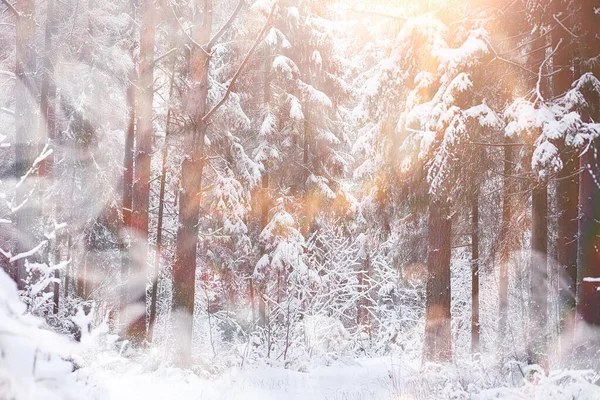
(36, 363)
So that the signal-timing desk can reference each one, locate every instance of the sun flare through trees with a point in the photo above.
(198, 193)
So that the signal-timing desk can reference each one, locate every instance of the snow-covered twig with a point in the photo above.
(29, 252)
(12, 8)
(242, 65)
(564, 27)
(539, 81)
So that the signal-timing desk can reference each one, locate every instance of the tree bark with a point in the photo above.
(589, 237)
(184, 270)
(504, 243)
(161, 208)
(475, 271)
(588, 293)
(264, 206)
(539, 271)
(567, 189)
(127, 201)
(48, 123)
(141, 181)
(438, 338)
(26, 137)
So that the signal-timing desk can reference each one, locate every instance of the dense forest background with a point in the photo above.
(300, 181)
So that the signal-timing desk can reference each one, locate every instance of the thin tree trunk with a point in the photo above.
(264, 206)
(127, 201)
(141, 181)
(567, 190)
(70, 266)
(48, 123)
(362, 313)
(264, 219)
(538, 276)
(475, 271)
(567, 194)
(438, 338)
(26, 138)
(161, 208)
(539, 272)
(504, 244)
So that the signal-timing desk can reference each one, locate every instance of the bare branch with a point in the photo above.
(546, 33)
(165, 55)
(538, 90)
(198, 45)
(497, 144)
(208, 46)
(11, 8)
(7, 111)
(514, 63)
(563, 26)
(242, 65)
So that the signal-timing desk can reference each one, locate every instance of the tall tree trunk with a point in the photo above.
(475, 271)
(539, 271)
(48, 123)
(184, 270)
(264, 219)
(438, 338)
(161, 208)
(504, 242)
(538, 277)
(141, 181)
(362, 309)
(127, 201)
(70, 266)
(567, 189)
(589, 191)
(589, 237)
(26, 136)
(264, 206)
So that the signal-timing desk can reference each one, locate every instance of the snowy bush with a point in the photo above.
(36, 363)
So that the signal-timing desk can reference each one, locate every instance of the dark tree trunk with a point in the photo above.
(538, 277)
(438, 338)
(588, 293)
(264, 206)
(70, 266)
(127, 200)
(184, 270)
(567, 189)
(26, 137)
(48, 123)
(589, 237)
(161, 209)
(567, 194)
(363, 319)
(475, 271)
(539, 271)
(141, 181)
(264, 219)
(504, 241)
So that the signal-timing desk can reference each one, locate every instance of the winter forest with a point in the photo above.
(299, 199)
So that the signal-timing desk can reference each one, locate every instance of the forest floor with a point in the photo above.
(145, 377)
(126, 379)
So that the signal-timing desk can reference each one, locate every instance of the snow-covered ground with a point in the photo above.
(125, 379)
(378, 378)
(38, 364)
